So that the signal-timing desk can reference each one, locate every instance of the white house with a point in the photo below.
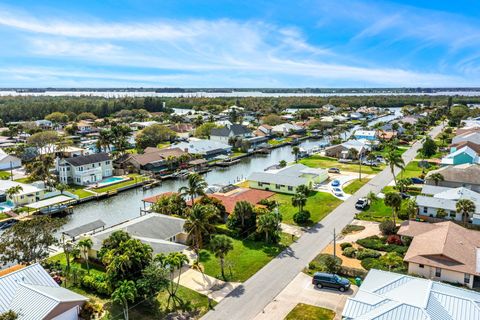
(286, 129)
(28, 193)
(365, 134)
(85, 170)
(467, 136)
(8, 162)
(33, 294)
(230, 131)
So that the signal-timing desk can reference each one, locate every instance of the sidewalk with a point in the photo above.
(206, 285)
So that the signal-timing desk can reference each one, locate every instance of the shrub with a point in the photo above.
(301, 217)
(352, 272)
(332, 265)
(367, 253)
(380, 244)
(403, 215)
(387, 227)
(312, 265)
(352, 228)
(345, 245)
(349, 252)
(97, 284)
(394, 239)
(91, 310)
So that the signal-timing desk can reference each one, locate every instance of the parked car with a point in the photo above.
(404, 195)
(417, 181)
(328, 280)
(7, 224)
(361, 204)
(335, 183)
(333, 170)
(338, 192)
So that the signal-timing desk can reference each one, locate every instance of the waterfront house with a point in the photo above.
(393, 296)
(8, 162)
(207, 149)
(230, 131)
(163, 233)
(286, 129)
(154, 159)
(263, 131)
(464, 175)
(85, 170)
(443, 251)
(446, 199)
(370, 135)
(343, 150)
(285, 180)
(32, 293)
(28, 193)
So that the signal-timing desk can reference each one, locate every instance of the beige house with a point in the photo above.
(27, 193)
(463, 175)
(443, 251)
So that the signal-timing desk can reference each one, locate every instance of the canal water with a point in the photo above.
(126, 205)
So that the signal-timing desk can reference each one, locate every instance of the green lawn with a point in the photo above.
(309, 312)
(4, 175)
(413, 170)
(317, 161)
(79, 191)
(377, 211)
(353, 186)
(274, 142)
(135, 179)
(400, 151)
(318, 203)
(163, 145)
(237, 154)
(3, 216)
(246, 258)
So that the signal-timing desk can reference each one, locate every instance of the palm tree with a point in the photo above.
(221, 245)
(355, 154)
(441, 213)
(173, 262)
(12, 191)
(197, 225)
(394, 160)
(104, 141)
(372, 197)
(466, 208)
(85, 245)
(195, 187)
(268, 224)
(436, 177)
(296, 151)
(244, 211)
(371, 157)
(393, 200)
(123, 294)
(61, 187)
(299, 200)
(392, 259)
(304, 189)
(411, 208)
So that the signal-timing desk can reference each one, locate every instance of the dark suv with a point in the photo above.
(328, 280)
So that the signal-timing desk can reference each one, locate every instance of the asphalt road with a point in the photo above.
(249, 299)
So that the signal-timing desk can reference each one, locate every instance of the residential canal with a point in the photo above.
(126, 205)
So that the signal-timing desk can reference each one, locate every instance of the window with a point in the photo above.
(453, 214)
(425, 209)
(107, 162)
(278, 186)
(438, 272)
(421, 266)
(290, 188)
(466, 278)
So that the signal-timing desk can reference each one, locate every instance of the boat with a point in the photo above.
(54, 209)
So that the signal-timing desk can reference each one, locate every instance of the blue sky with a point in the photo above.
(171, 43)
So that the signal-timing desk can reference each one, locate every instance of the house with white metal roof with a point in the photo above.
(391, 296)
(285, 180)
(27, 193)
(33, 295)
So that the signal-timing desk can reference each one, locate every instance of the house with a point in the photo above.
(163, 233)
(412, 120)
(85, 127)
(154, 159)
(208, 149)
(443, 251)
(342, 151)
(286, 129)
(370, 135)
(44, 124)
(32, 293)
(28, 193)
(330, 108)
(390, 127)
(8, 162)
(446, 199)
(387, 295)
(475, 147)
(386, 135)
(356, 116)
(473, 128)
(263, 131)
(461, 156)
(285, 180)
(85, 170)
(230, 131)
(139, 125)
(183, 130)
(464, 175)
(467, 136)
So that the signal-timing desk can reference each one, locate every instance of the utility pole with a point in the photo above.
(334, 244)
(11, 171)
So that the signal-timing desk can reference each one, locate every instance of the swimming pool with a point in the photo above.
(109, 181)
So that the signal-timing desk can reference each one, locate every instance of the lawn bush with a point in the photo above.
(376, 243)
(379, 263)
(394, 239)
(352, 272)
(387, 227)
(352, 228)
(301, 217)
(345, 245)
(349, 252)
(96, 284)
(367, 253)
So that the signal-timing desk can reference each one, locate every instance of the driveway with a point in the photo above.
(301, 290)
(251, 297)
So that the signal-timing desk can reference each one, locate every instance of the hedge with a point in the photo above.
(376, 243)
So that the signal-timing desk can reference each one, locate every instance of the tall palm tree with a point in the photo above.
(221, 245)
(126, 292)
(198, 225)
(244, 211)
(299, 200)
(394, 201)
(394, 160)
(173, 263)
(195, 187)
(466, 208)
(61, 187)
(85, 245)
(296, 151)
(12, 191)
(104, 141)
(268, 224)
(436, 177)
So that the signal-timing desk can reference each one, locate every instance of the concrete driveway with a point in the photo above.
(301, 290)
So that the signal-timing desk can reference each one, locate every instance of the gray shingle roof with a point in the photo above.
(235, 129)
(84, 160)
